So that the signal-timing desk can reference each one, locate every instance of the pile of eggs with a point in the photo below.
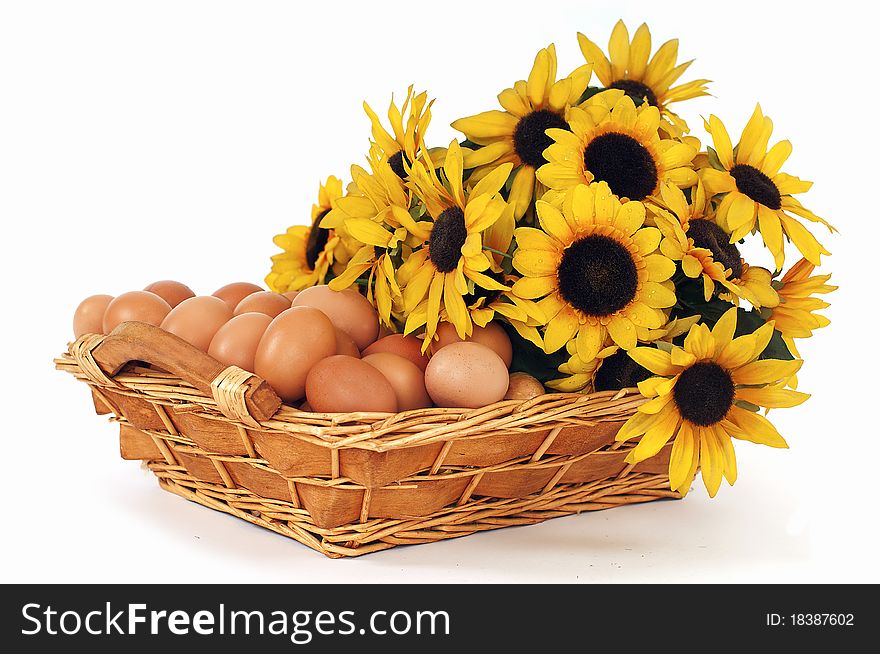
(322, 350)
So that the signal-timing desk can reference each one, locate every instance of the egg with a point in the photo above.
(345, 344)
(522, 386)
(290, 294)
(405, 377)
(341, 384)
(348, 310)
(294, 342)
(492, 336)
(234, 293)
(466, 375)
(135, 305)
(235, 343)
(408, 347)
(197, 320)
(89, 315)
(263, 302)
(172, 292)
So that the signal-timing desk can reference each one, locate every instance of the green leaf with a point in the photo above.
(714, 161)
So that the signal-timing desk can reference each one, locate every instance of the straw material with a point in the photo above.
(350, 484)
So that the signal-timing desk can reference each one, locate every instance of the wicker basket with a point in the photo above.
(350, 484)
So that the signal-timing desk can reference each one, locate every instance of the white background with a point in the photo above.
(151, 140)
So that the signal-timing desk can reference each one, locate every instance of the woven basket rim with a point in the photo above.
(376, 431)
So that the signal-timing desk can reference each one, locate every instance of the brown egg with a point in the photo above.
(408, 347)
(523, 387)
(234, 293)
(197, 320)
(348, 310)
(405, 377)
(89, 315)
(383, 332)
(345, 344)
(135, 305)
(295, 341)
(235, 343)
(467, 375)
(305, 407)
(172, 292)
(263, 302)
(492, 336)
(290, 294)
(340, 384)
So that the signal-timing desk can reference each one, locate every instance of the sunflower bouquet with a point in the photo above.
(584, 217)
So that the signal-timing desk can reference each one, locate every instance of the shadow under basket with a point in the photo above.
(355, 483)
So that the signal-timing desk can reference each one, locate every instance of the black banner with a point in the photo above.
(433, 618)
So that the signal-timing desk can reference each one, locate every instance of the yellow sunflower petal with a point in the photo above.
(657, 295)
(711, 460)
(655, 360)
(531, 288)
(647, 239)
(659, 268)
(699, 342)
(623, 332)
(724, 329)
(560, 331)
(488, 124)
(554, 222)
(721, 140)
(535, 263)
(522, 190)
(681, 457)
(772, 397)
(691, 266)
(665, 426)
(766, 371)
(755, 428)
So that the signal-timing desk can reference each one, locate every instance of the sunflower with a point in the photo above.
(310, 251)
(370, 216)
(630, 71)
(517, 135)
(705, 251)
(757, 196)
(405, 143)
(598, 272)
(613, 141)
(449, 262)
(794, 316)
(699, 399)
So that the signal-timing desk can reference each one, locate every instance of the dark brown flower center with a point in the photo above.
(704, 393)
(752, 182)
(447, 238)
(619, 371)
(636, 90)
(317, 240)
(530, 136)
(710, 236)
(396, 161)
(597, 276)
(625, 164)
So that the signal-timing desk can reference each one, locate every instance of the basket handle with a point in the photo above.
(138, 341)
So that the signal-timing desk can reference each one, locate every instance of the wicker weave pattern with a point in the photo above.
(375, 535)
(351, 484)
